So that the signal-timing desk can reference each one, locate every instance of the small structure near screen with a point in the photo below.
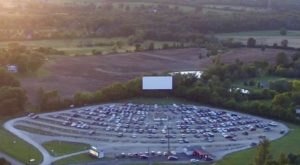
(93, 151)
(157, 83)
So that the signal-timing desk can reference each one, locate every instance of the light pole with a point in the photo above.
(169, 151)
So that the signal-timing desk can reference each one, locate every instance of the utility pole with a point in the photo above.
(149, 162)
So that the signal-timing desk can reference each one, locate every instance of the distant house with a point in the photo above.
(12, 68)
(243, 91)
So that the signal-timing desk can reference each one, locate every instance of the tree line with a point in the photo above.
(26, 59)
(12, 96)
(263, 156)
(214, 88)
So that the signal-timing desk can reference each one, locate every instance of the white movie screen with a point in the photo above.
(157, 83)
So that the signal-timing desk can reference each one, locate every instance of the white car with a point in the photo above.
(194, 160)
(133, 136)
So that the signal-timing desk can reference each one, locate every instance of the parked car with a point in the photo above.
(173, 158)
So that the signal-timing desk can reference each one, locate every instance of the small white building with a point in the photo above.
(243, 91)
(96, 152)
(12, 68)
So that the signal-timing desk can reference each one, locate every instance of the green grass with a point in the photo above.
(287, 144)
(60, 148)
(71, 46)
(81, 158)
(17, 148)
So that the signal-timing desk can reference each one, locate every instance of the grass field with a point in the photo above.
(265, 37)
(73, 47)
(81, 158)
(17, 148)
(288, 144)
(60, 148)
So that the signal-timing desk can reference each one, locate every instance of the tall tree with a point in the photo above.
(251, 42)
(283, 159)
(282, 59)
(6, 79)
(263, 154)
(284, 43)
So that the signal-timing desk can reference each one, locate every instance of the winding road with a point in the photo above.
(47, 158)
(9, 125)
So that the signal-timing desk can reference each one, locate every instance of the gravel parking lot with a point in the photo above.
(126, 128)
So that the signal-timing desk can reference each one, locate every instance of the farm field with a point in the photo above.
(138, 4)
(265, 37)
(235, 8)
(131, 4)
(89, 73)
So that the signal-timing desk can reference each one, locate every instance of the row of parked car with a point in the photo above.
(172, 156)
(136, 120)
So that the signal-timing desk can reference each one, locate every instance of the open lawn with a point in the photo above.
(81, 158)
(287, 144)
(17, 148)
(265, 37)
(60, 148)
